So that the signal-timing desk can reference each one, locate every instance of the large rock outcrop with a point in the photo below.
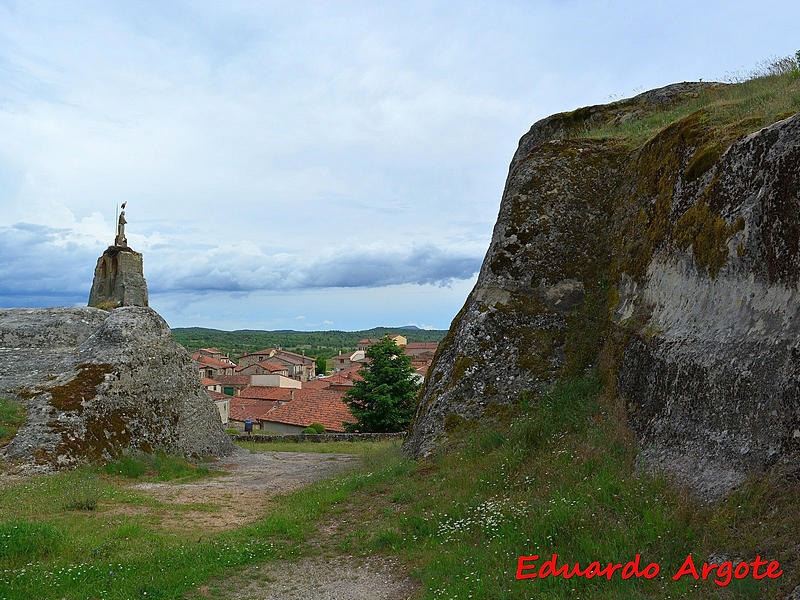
(118, 279)
(95, 383)
(675, 262)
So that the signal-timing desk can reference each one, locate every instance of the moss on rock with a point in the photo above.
(708, 234)
(82, 388)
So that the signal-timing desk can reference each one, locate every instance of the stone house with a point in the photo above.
(345, 361)
(233, 384)
(364, 344)
(299, 366)
(264, 368)
(211, 368)
(415, 348)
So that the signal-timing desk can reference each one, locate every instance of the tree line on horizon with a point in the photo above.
(319, 344)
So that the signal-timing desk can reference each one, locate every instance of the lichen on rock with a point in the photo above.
(672, 266)
(95, 384)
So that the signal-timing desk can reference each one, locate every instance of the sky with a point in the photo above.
(309, 165)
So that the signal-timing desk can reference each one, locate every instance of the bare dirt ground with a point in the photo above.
(242, 492)
(241, 495)
(318, 578)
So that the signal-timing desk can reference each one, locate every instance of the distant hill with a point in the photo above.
(314, 343)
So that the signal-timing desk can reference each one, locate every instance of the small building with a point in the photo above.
(345, 361)
(309, 406)
(415, 348)
(233, 384)
(364, 344)
(214, 353)
(261, 368)
(211, 368)
(212, 385)
(299, 366)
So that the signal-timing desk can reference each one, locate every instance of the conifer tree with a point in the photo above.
(385, 400)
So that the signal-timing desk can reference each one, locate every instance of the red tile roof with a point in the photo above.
(219, 395)
(292, 357)
(316, 384)
(270, 366)
(312, 406)
(351, 372)
(267, 392)
(249, 408)
(422, 345)
(206, 381)
(211, 362)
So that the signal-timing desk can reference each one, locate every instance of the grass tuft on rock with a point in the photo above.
(12, 415)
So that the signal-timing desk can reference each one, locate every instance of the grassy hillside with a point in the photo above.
(314, 343)
(729, 111)
(557, 475)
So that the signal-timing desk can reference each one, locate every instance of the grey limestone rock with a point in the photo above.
(679, 281)
(96, 383)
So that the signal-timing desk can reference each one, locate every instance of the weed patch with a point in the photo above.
(22, 539)
(12, 415)
(156, 467)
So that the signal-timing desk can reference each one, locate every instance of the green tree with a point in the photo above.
(322, 365)
(384, 400)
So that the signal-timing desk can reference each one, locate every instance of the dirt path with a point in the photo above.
(242, 493)
(320, 578)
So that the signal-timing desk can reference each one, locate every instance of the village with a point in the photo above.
(280, 392)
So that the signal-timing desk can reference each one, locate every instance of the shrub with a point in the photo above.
(26, 539)
(318, 427)
(107, 305)
(82, 494)
(160, 466)
(127, 466)
(174, 467)
(310, 430)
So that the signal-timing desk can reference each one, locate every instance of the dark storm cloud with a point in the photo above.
(42, 265)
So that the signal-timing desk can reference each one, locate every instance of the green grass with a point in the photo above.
(559, 477)
(155, 467)
(361, 447)
(105, 554)
(733, 110)
(26, 540)
(12, 415)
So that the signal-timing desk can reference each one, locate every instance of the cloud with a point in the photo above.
(46, 260)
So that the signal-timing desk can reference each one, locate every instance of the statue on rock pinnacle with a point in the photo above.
(118, 276)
